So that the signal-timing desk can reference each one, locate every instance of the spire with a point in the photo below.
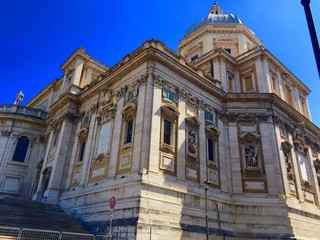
(216, 9)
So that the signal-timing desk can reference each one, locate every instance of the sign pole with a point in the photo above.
(112, 204)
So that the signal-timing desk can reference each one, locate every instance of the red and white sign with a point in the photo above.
(112, 202)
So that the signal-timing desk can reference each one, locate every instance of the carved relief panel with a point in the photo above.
(251, 158)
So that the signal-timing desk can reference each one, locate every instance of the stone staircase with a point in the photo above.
(36, 215)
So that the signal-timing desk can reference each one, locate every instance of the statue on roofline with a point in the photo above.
(19, 98)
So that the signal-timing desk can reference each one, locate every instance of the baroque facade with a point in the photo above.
(152, 129)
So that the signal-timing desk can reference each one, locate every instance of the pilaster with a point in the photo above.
(116, 139)
(202, 147)
(54, 187)
(181, 142)
(155, 130)
(88, 151)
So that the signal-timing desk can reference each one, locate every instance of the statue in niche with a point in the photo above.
(289, 165)
(19, 98)
(251, 155)
(192, 142)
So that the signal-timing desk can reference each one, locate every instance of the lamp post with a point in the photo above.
(206, 186)
(312, 30)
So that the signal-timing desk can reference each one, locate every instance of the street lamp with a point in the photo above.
(312, 30)
(206, 186)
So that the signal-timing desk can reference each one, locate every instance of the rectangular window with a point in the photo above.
(174, 97)
(303, 168)
(195, 57)
(129, 132)
(211, 150)
(274, 84)
(130, 95)
(249, 84)
(168, 95)
(230, 84)
(167, 132)
(85, 120)
(81, 153)
(228, 50)
(288, 95)
(209, 116)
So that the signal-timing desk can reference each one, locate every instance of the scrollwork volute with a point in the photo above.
(247, 117)
(143, 80)
(5, 133)
(107, 95)
(122, 92)
(158, 81)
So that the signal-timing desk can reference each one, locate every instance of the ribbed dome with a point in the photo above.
(215, 16)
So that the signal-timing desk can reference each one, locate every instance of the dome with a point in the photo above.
(215, 16)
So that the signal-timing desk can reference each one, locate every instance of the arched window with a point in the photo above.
(21, 149)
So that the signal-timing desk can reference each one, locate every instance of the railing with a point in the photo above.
(19, 110)
(9, 233)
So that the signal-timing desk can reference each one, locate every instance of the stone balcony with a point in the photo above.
(20, 110)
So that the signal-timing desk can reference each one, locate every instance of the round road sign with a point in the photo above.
(112, 202)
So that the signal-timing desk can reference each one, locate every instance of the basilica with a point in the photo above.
(212, 142)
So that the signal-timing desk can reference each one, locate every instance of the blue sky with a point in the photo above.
(38, 36)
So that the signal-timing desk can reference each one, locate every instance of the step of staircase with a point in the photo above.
(36, 215)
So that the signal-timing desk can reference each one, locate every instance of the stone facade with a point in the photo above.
(153, 128)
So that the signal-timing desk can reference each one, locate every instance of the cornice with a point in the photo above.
(22, 118)
(154, 51)
(272, 101)
(261, 51)
(64, 100)
(215, 28)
